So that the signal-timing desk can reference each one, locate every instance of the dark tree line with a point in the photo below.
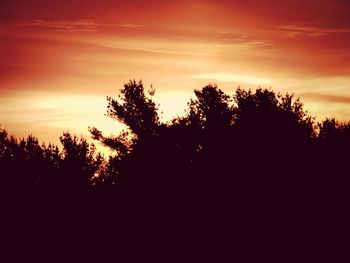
(248, 166)
(28, 167)
(249, 140)
(224, 144)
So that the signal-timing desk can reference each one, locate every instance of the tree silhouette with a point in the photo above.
(224, 146)
(251, 145)
(79, 163)
(239, 165)
(21, 162)
(333, 142)
(27, 166)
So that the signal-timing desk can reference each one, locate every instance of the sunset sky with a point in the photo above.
(60, 59)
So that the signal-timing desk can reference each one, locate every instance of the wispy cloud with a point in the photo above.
(62, 25)
(248, 38)
(293, 31)
(128, 25)
(227, 77)
(80, 25)
(327, 97)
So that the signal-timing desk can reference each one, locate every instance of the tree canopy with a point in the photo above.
(235, 165)
(248, 139)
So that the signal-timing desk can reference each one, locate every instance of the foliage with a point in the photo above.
(249, 141)
(29, 166)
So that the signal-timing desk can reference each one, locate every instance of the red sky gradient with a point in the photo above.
(59, 59)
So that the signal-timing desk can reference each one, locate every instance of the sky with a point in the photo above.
(60, 59)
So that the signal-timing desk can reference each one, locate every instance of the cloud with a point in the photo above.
(327, 97)
(129, 25)
(62, 25)
(293, 31)
(75, 25)
(227, 77)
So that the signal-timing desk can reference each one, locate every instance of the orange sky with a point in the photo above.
(59, 59)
